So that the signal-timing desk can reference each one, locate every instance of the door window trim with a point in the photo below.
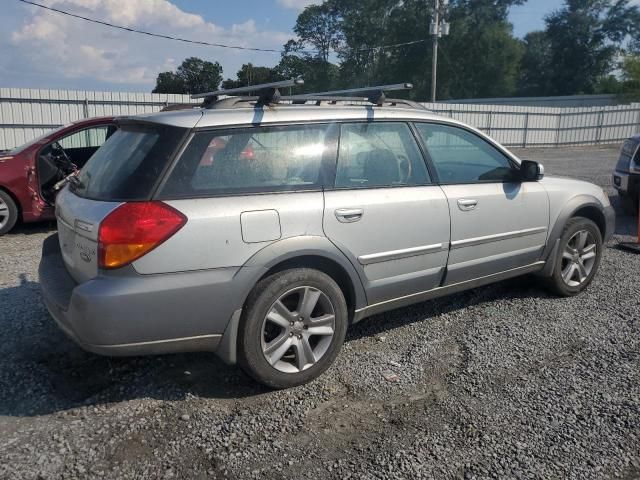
(431, 164)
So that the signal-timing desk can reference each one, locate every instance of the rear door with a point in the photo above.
(498, 223)
(385, 213)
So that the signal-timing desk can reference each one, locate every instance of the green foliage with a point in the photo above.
(338, 46)
(631, 77)
(252, 75)
(480, 58)
(194, 75)
(577, 51)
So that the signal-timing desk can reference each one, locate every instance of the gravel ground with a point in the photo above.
(502, 381)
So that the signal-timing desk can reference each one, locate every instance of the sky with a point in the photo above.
(43, 49)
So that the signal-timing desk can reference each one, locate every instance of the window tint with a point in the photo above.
(129, 163)
(379, 154)
(252, 160)
(89, 137)
(459, 156)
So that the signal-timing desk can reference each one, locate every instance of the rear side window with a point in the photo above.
(129, 163)
(379, 155)
(258, 159)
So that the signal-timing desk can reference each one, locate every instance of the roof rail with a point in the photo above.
(374, 94)
(267, 92)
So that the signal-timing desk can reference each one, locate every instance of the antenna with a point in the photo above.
(372, 94)
(267, 92)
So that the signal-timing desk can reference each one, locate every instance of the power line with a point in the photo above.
(209, 44)
(142, 32)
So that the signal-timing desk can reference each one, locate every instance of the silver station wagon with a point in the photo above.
(260, 227)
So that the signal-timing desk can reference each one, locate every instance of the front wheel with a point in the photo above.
(293, 327)
(578, 257)
(8, 213)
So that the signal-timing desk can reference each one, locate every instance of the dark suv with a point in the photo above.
(626, 178)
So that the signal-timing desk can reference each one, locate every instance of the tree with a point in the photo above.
(194, 75)
(631, 77)
(536, 66)
(479, 58)
(252, 75)
(582, 41)
(319, 26)
(319, 32)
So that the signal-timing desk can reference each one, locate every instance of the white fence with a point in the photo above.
(27, 113)
(547, 127)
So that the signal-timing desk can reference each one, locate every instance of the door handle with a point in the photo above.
(467, 204)
(349, 215)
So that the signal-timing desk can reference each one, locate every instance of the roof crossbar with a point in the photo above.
(319, 99)
(374, 94)
(267, 93)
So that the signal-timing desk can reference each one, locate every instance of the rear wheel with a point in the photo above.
(578, 257)
(8, 212)
(293, 327)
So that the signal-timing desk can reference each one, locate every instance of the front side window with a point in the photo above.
(379, 154)
(87, 138)
(459, 156)
(258, 159)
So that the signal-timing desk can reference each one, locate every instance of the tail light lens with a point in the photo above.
(134, 229)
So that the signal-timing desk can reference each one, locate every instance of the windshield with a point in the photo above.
(129, 164)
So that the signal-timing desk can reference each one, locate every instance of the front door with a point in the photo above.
(385, 213)
(497, 222)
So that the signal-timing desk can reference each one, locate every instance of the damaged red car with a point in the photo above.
(31, 175)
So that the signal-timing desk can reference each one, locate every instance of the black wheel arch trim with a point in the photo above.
(570, 209)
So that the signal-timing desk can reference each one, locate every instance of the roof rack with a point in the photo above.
(267, 93)
(374, 95)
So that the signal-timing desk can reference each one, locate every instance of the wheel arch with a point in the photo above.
(312, 252)
(580, 206)
(296, 252)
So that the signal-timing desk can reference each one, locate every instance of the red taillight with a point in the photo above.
(134, 229)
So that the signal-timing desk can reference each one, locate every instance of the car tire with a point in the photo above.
(8, 212)
(578, 257)
(292, 328)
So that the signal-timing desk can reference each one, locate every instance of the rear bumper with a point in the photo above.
(130, 314)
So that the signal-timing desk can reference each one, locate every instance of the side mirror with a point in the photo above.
(531, 171)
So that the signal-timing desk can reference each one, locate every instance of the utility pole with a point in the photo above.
(437, 29)
(434, 63)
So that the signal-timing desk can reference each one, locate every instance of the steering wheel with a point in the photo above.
(61, 158)
(404, 168)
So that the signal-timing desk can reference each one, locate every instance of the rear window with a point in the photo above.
(129, 163)
(251, 160)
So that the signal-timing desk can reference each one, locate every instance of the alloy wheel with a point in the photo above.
(4, 213)
(298, 329)
(578, 258)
